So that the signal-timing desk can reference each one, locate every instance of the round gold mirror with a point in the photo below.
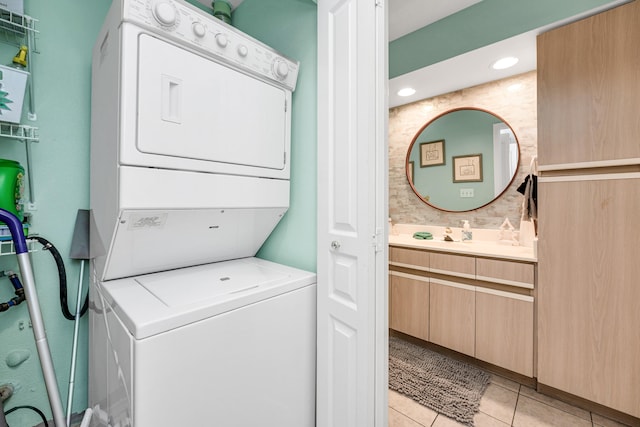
(462, 160)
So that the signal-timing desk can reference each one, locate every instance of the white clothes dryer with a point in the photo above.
(190, 139)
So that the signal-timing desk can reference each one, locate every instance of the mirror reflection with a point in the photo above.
(462, 160)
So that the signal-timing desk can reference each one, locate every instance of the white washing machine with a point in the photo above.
(222, 344)
(190, 144)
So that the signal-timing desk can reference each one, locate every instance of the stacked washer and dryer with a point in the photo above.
(190, 167)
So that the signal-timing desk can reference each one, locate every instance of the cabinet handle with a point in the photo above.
(335, 245)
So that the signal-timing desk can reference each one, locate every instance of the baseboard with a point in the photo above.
(588, 405)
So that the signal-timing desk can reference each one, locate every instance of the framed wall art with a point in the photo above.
(432, 153)
(467, 168)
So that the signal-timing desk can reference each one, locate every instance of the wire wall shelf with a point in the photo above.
(8, 248)
(21, 31)
(22, 132)
(16, 28)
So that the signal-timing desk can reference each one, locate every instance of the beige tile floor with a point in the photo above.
(505, 403)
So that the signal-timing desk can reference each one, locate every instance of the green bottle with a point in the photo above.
(12, 187)
(222, 10)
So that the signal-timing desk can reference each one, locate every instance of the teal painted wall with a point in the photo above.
(290, 27)
(68, 29)
(484, 23)
(62, 74)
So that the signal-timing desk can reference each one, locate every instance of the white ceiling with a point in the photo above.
(466, 70)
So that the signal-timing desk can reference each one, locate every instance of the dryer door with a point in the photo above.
(196, 114)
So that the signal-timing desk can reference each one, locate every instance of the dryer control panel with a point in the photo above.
(178, 20)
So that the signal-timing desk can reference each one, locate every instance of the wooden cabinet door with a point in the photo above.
(589, 291)
(588, 86)
(504, 330)
(409, 304)
(452, 315)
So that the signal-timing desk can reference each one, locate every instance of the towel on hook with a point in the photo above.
(529, 188)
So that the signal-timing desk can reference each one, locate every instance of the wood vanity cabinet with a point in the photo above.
(481, 307)
(588, 302)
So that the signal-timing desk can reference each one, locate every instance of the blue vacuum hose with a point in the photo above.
(15, 227)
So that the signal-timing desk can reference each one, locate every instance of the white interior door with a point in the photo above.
(352, 200)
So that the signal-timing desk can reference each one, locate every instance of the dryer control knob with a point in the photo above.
(165, 13)
(199, 29)
(222, 40)
(280, 69)
(242, 50)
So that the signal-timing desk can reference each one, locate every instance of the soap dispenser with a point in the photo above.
(467, 234)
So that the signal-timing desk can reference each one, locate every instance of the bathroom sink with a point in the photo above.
(475, 247)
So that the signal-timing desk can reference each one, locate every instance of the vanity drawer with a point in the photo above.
(409, 258)
(505, 272)
(453, 265)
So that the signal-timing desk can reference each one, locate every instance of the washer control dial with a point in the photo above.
(165, 13)
(199, 29)
(242, 50)
(280, 69)
(222, 40)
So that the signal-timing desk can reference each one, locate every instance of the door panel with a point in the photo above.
(351, 216)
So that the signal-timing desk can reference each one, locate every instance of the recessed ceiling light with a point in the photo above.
(506, 62)
(407, 91)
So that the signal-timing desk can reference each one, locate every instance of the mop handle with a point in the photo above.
(28, 283)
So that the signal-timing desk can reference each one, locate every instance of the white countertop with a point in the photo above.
(476, 247)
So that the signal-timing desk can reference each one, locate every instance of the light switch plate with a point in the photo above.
(466, 192)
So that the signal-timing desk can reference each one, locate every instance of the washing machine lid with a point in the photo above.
(154, 303)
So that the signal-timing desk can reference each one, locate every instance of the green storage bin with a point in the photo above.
(12, 187)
